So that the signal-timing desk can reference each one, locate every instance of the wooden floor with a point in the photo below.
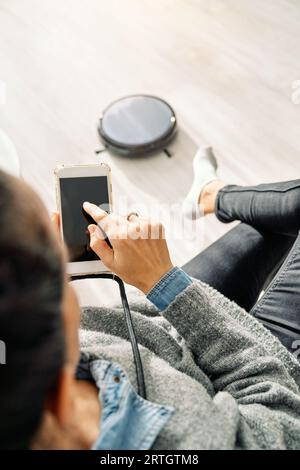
(226, 66)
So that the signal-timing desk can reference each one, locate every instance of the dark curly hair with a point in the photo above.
(31, 287)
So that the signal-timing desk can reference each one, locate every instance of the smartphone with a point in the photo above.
(74, 185)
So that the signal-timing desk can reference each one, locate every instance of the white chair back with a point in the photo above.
(9, 160)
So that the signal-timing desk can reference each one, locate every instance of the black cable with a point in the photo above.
(128, 318)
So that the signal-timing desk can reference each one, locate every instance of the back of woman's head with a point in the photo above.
(31, 286)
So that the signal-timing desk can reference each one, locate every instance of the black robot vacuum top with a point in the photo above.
(137, 125)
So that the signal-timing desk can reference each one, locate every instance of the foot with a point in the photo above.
(208, 196)
(200, 199)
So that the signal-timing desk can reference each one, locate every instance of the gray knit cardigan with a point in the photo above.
(232, 383)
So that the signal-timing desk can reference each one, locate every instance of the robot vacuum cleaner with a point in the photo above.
(137, 125)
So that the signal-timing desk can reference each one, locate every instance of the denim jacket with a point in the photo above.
(128, 422)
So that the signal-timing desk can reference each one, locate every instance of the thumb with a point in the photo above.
(99, 246)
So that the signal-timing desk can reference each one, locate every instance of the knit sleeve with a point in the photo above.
(243, 359)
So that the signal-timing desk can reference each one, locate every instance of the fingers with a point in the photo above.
(99, 245)
(55, 217)
(94, 211)
(117, 227)
(132, 217)
(106, 221)
(146, 229)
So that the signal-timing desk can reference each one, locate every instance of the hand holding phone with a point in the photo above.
(74, 185)
(138, 254)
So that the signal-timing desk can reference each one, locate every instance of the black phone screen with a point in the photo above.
(73, 193)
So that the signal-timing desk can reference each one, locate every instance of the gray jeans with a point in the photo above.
(266, 242)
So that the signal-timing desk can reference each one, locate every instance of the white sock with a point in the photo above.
(205, 167)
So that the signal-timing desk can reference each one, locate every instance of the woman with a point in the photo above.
(216, 378)
(240, 264)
